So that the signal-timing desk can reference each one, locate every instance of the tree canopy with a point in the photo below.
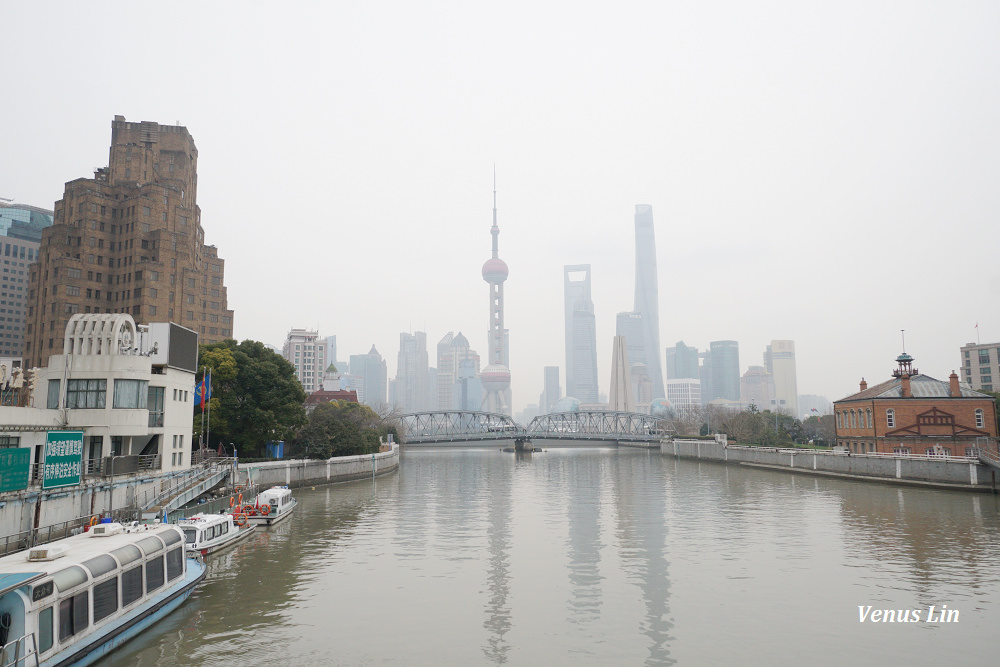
(255, 395)
(340, 428)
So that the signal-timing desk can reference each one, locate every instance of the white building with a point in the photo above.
(306, 351)
(684, 394)
(780, 363)
(128, 388)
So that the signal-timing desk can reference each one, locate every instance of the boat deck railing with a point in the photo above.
(19, 652)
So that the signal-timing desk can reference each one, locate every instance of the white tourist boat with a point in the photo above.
(271, 506)
(72, 601)
(208, 533)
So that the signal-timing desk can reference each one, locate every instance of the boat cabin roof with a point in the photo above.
(83, 547)
(205, 520)
(274, 492)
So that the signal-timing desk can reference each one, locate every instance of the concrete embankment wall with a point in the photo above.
(950, 472)
(308, 472)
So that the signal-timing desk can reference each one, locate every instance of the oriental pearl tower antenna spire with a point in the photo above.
(496, 376)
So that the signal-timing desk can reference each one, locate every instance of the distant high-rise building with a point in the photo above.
(725, 370)
(682, 362)
(581, 335)
(412, 374)
(647, 295)
(779, 359)
(496, 376)
(684, 394)
(20, 233)
(705, 377)
(452, 351)
(467, 393)
(756, 388)
(330, 349)
(130, 240)
(980, 364)
(620, 396)
(306, 351)
(631, 327)
(371, 368)
(551, 392)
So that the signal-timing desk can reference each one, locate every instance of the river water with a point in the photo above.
(591, 556)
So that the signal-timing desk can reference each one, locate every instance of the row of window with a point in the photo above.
(859, 419)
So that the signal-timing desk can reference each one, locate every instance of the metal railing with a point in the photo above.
(230, 500)
(27, 539)
(182, 482)
(13, 654)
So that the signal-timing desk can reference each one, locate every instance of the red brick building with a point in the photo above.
(916, 414)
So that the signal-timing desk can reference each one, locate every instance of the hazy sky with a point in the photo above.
(822, 172)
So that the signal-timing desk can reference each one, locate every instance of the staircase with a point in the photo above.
(178, 495)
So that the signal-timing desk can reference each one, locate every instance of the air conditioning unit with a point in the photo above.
(48, 552)
(106, 529)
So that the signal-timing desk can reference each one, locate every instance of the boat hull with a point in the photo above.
(130, 626)
(272, 519)
(236, 538)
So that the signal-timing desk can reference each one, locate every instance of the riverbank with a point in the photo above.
(309, 472)
(953, 472)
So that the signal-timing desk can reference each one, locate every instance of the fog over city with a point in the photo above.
(824, 173)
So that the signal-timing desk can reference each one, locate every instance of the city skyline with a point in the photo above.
(784, 172)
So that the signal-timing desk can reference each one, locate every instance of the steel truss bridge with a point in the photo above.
(599, 425)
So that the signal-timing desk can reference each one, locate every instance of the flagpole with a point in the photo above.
(202, 388)
(208, 397)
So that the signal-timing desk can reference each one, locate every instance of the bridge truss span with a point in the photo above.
(597, 425)
(453, 425)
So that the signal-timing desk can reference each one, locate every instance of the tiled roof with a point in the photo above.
(921, 386)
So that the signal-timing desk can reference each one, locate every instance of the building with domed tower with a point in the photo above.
(496, 376)
(916, 414)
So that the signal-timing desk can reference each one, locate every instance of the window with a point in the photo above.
(45, 630)
(154, 574)
(131, 394)
(105, 599)
(980, 418)
(175, 563)
(131, 585)
(10, 441)
(868, 418)
(155, 406)
(74, 615)
(890, 418)
(52, 401)
(86, 393)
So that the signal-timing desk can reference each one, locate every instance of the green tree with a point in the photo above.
(255, 395)
(340, 428)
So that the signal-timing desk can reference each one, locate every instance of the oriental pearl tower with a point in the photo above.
(496, 376)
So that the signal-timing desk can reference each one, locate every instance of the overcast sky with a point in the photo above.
(822, 172)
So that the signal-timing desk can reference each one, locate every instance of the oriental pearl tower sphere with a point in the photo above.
(496, 376)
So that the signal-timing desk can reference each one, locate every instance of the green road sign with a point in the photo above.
(15, 466)
(63, 459)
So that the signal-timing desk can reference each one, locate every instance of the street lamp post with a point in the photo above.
(111, 487)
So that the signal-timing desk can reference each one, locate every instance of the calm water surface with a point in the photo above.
(596, 557)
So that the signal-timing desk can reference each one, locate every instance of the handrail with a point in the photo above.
(19, 658)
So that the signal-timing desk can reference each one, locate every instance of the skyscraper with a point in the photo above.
(412, 374)
(620, 396)
(780, 362)
(551, 392)
(682, 361)
(647, 302)
(130, 240)
(306, 351)
(454, 359)
(581, 335)
(496, 376)
(20, 233)
(725, 369)
(372, 370)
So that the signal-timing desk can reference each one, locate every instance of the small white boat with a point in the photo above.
(208, 533)
(271, 506)
(75, 600)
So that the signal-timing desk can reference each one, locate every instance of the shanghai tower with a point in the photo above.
(647, 295)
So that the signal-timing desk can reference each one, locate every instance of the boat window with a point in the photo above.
(41, 591)
(150, 545)
(190, 535)
(154, 574)
(45, 630)
(127, 554)
(73, 615)
(131, 585)
(100, 565)
(70, 577)
(169, 536)
(105, 598)
(175, 563)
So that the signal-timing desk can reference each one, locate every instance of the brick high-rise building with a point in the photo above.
(129, 240)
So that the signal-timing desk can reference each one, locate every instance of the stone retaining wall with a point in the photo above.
(308, 472)
(957, 472)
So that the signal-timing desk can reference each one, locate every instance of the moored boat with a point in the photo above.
(72, 601)
(207, 533)
(271, 506)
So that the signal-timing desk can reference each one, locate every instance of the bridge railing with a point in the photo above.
(449, 426)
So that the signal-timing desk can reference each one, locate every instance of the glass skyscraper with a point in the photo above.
(647, 295)
(581, 335)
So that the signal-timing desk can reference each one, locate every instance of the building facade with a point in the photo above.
(551, 391)
(412, 386)
(779, 360)
(756, 388)
(725, 369)
(581, 335)
(306, 351)
(20, 235)
(371, 368)
(916, 414)
(684, 394)
(980, 365)
(130, 240)
(682, 362)
(129, 389)
(647, 300)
